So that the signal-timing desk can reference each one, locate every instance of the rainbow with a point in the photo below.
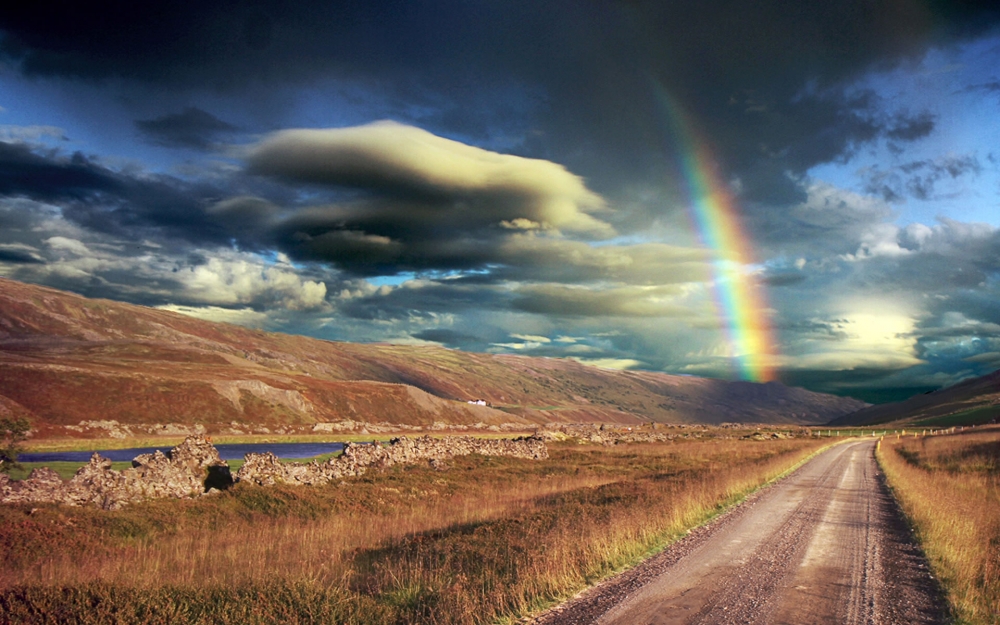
(739, 299)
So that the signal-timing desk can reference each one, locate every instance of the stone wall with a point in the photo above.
(182, 472)
(265, 469)
(194, 466)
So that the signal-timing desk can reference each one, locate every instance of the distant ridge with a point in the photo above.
(969, 402)
(66, 359)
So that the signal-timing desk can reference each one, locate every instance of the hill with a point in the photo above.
(970, 402)
(65, 359)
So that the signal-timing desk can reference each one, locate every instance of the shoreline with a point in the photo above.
(42, 445)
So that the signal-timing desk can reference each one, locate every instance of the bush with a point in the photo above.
(13, 432)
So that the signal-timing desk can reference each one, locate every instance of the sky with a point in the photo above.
(801, 192)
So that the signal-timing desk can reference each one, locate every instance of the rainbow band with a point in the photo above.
(739, 298)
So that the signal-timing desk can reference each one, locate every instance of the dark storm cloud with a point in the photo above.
(906, 128)
(109, 201)
(871, 385)
(19, 254)
(423, 297)
(47, 177)
(226, 45)
(784, 279)
(246, 40)
(937, 269)
(760, 79)
(814, 329)
(953, 255)
(830, 221)
(191, 128)
(361, 241)
(987, 87)
(565, 301)
(919, 179)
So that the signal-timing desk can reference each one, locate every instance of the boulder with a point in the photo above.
(42, 485)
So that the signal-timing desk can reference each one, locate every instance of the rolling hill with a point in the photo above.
(66, 359)
(970, 402)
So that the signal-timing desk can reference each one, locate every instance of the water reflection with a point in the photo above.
(226, 452)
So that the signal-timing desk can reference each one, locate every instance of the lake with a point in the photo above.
(226, 452)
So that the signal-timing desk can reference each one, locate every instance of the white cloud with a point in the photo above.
(73, 246)
(239, 281)
(532, 338)
(241, 316)
(610, 363)
(30, 134)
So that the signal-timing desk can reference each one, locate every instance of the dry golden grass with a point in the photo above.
(949, 487)
(492, 538)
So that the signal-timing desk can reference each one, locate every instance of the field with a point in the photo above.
(490, 539)
(949, 487)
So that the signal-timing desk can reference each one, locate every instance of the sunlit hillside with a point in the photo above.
(65, 359)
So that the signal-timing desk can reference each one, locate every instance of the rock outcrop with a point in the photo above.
(187, 470)
(114, 429)
(265, 469)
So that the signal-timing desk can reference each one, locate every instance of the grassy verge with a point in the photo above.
(490, 539)
(949, 488)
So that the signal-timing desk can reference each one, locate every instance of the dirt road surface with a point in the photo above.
(826, 545)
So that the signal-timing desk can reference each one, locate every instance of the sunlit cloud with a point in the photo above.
(387, 158)
(860, 340)
(610, 363)
(239, 316)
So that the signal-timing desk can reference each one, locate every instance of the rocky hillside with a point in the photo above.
(970, 402)
(66, 359)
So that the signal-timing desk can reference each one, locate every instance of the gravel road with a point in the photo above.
(825, 545)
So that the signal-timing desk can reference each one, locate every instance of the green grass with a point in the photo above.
(976, 416)
(66, 470)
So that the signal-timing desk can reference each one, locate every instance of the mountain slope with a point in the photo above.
(966, 403)
(66, 358)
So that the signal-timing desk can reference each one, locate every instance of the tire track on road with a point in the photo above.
(825, 545)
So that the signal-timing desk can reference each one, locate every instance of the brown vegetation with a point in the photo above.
(949, 487)
(488, 539)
